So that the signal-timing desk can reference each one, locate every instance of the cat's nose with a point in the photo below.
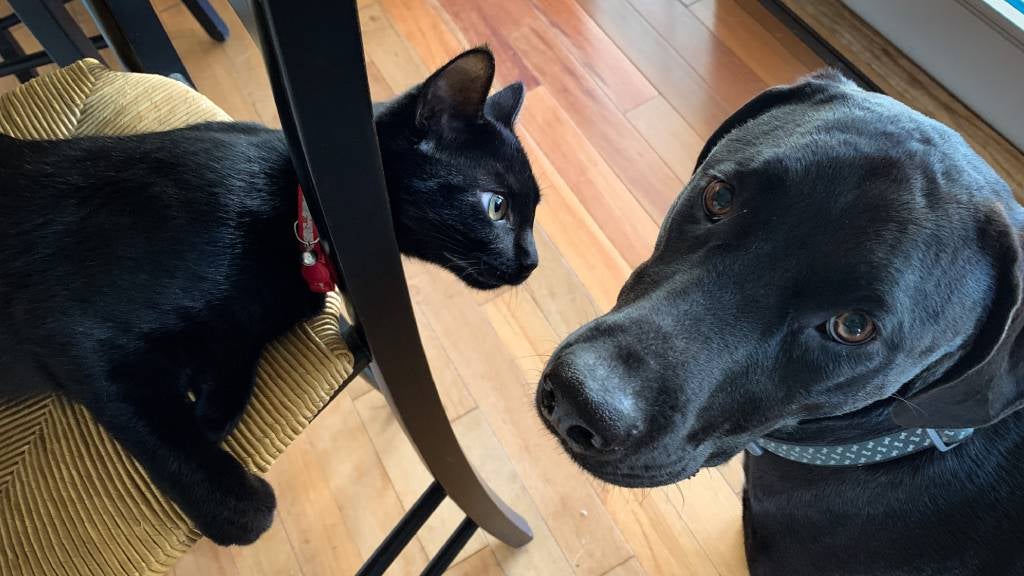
(528, 254)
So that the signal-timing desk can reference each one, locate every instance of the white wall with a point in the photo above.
(971, 49)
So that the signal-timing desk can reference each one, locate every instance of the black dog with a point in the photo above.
(839, 268)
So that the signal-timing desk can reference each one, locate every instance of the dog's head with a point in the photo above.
(834, 250)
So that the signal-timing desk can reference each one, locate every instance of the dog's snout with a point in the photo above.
(592, 417)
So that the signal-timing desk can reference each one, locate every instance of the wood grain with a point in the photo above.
(608, 66)
(567, 224)
(504, 396)
(712, 512)
(630, 567)
(781, 33)
(725, 73)
(423, 27)
(488, 23)
(543, 555)
(359, 484)
(661, 540)
(615, 210)
(623, 149)
(670, 135)
(665, 69)
(483, 563)
(752, 43)
(319, 536)
(408, 475)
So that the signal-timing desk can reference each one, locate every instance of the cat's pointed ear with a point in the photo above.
(457, 92)
(503, 106)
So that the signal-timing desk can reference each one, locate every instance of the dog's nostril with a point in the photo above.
(582, 436)
(547, 400)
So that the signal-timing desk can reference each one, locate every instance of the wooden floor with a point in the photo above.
(621, 96)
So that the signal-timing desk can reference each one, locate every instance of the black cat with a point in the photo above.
(135, 269)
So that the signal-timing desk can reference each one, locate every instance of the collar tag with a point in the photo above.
(317, 270)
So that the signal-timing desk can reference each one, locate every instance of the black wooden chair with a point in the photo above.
(129, 27)
(314, 56)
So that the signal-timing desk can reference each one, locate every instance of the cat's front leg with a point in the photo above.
(141, 407)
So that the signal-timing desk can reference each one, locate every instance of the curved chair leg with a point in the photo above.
(318, 75)
(417, 406)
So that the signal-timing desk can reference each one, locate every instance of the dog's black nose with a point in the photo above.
(594, 419)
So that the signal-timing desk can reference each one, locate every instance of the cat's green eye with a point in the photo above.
(497, 207)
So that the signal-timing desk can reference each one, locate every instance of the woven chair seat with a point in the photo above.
(71, 500)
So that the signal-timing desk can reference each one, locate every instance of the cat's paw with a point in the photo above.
(242, 516)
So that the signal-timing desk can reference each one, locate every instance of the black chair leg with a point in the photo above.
(56, 30)
(208, 19)
(403, 532)
(10, 50)
(136, 35)
(455, 543)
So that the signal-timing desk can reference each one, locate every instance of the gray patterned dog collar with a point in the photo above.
(881, 449)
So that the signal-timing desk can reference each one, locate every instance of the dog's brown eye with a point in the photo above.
(851, 328)
(717, 199)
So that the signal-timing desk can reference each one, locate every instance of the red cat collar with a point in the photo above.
(317, 270)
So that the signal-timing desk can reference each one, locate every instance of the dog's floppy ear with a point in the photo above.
(804, 90)
(983, 385)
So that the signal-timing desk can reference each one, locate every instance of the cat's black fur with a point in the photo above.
(135, 269)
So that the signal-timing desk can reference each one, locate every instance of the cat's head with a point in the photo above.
(461, 189)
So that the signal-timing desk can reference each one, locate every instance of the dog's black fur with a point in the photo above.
(136, 269)
(843, 200)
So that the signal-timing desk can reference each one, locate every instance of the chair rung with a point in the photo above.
(455, 543)
(37, 59)
(403, 532)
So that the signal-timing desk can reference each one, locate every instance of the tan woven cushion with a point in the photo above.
(71, 500)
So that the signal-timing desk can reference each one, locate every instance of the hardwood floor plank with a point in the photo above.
(322, 541)
(781, 33)
(542, 555)
(379, 88)
(732, 471)
(271, 555)
(489, 23)
(654, 529)
(504, 396)
(423, 27)
(669, 135)
(623, 149)
(558, 291)
(208, 559)
(615, 210)
(569, 226)
(397, 63)
(725, 74)
(672, 76)
(712, 511)
(408, 475)
(455, 396)
(210, 65)
(359, 483)
(750, 41)
(630, 567)
(483, 563)
(608, 66)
